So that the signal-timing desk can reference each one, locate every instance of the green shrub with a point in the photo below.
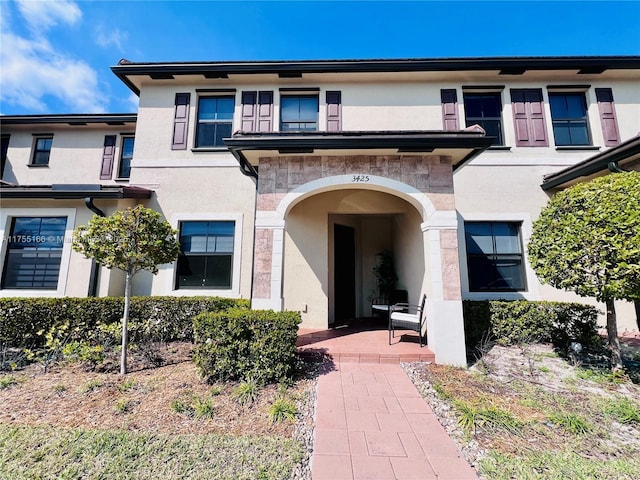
(522, 321)
(282, 409)
(25, 322)
(247, 392)
(240, 343)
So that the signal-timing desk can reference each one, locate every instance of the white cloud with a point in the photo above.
(33, 70)
(44, 14)
(113, 37)
(134, 102)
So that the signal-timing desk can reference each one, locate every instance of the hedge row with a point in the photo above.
(522, 321)
(240, 343)
(24, 322)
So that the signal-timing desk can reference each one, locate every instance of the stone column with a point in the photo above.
(445, 323)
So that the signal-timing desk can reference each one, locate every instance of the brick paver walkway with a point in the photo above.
(372, 424)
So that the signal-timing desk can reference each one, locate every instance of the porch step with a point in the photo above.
(357, 345)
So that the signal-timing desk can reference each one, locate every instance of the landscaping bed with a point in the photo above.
(523, 412)
(162, 420)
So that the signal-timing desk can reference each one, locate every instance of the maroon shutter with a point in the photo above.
(249, 111)
(265, 111)
(449, 98)
(608, 117)
(108, 155)
(528, 117)
(334, 111)
(181, 121)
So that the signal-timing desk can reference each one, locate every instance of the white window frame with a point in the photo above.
(6, 216)
(526, 228)
(234, 291)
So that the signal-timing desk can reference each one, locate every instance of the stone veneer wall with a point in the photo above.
(431, 174)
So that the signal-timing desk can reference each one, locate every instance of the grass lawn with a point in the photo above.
(157, 422)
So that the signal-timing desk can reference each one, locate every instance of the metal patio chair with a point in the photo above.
(401, 316)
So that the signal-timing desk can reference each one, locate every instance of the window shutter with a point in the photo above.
(265, 111)
(608, 117)
(248, 111)
(449, 98)
(108, 155)
(528, 117)
(334, 111)
(181, 121)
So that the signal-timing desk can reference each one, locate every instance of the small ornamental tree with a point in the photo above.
(130, 240)
(587, 239)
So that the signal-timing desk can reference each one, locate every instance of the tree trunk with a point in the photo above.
(612, 333)
(637, 304)
(125, 320)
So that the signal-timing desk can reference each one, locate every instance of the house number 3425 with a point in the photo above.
(360, 179)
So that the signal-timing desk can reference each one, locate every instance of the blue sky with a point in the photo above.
(55, 55)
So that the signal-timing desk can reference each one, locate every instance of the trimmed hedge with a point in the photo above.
(24, 322)
(240, 343)
(523, 321)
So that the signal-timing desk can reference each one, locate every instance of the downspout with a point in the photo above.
(614, 168)
(95, 266)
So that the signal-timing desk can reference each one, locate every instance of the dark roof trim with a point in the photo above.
(296, 68)
(71, 119)
(594, 164)
(308, 142)
(67, 192)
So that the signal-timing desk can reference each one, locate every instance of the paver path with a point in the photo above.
(372, 424)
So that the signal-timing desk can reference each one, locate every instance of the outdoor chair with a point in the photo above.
(401, 316)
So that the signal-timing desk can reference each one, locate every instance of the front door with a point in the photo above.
(344, 269)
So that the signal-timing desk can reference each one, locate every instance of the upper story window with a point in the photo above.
(494, 256)
(299, 113)
(34, 253)
(206, 260)
(126, 154)
(215, 119)
(485, 109)
(41, 150)
(569, 118)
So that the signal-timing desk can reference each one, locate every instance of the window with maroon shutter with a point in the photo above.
(608, 117)
(181, 121)
(334, 111)
(449, 98)
(108, 154)
(528, 117)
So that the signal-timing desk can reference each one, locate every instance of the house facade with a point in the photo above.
(286, 180)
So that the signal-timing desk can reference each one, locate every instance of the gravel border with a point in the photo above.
(470, 449)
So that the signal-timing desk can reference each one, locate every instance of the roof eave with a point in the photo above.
(593, 164)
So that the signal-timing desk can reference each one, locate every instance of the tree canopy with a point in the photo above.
(130, 240)
(587, 240)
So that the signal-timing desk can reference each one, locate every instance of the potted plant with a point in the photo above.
(385, 274)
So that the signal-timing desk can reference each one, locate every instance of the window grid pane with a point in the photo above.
(485, 109)
(34, 253)
(494, 256)
(206, 260)
(124, 170)
(569, 118)
(215, 121)
(299, 113)
(42, 151)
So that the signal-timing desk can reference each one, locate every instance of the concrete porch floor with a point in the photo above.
(363, 342)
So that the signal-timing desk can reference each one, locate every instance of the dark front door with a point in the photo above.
(344, 268)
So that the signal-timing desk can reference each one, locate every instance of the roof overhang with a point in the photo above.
(133, 73)
(70, 119)
(459, 146)
(70, 192)
(597, 165)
